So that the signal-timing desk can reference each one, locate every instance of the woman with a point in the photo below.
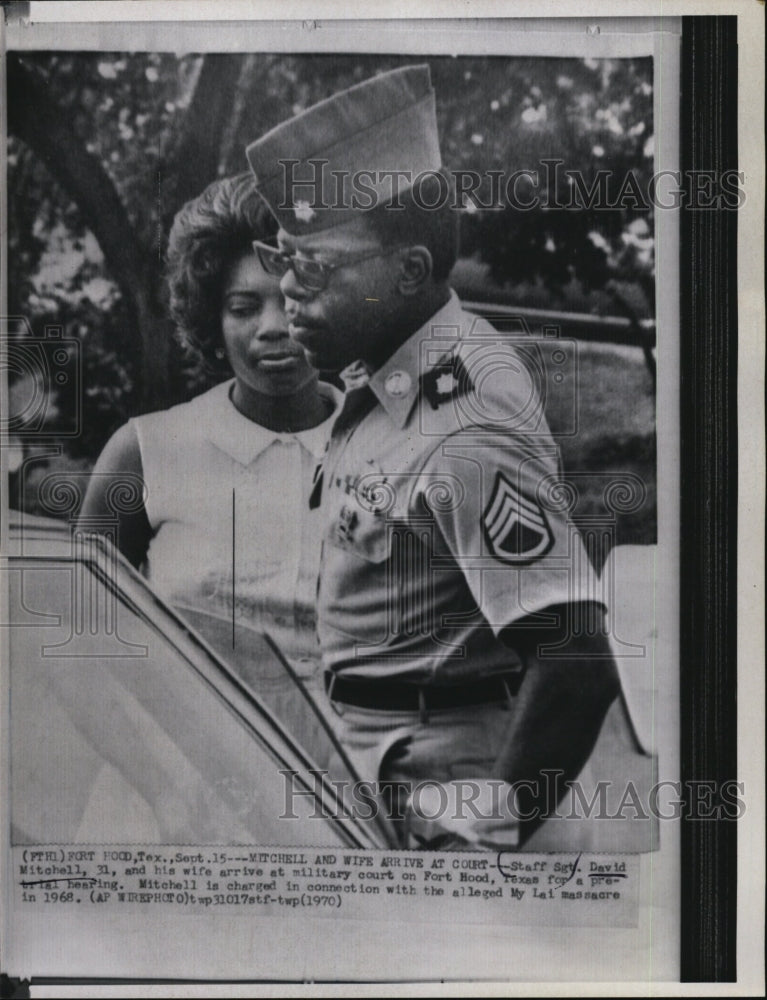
(225, 531)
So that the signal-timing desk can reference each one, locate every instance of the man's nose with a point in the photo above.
(291, 287)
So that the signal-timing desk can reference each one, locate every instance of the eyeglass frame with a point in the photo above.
(325, 269)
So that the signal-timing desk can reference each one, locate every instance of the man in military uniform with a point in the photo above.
(456, 607)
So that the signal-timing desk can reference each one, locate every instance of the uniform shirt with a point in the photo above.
(443, 512)
(228, 501)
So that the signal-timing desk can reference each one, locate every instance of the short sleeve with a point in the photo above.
(500, 509)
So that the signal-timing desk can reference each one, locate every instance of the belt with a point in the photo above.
(399, 696)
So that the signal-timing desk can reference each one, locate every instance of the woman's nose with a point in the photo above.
(273, 322)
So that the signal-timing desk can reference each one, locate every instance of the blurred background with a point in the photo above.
(104, 148)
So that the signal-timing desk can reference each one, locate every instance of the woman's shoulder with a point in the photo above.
(181, 426)
(122, 451)
(209, 402)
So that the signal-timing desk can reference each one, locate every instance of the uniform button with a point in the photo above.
(398, 383)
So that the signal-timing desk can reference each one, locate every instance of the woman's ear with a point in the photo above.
(416, 266)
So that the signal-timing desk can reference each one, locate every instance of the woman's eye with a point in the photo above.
(241, 309)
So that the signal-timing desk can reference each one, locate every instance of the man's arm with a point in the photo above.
(558, 712)
(121, 456)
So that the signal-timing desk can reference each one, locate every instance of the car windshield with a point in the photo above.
(126, 727)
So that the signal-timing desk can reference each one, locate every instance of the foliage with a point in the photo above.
(159, 127)
(585, 117)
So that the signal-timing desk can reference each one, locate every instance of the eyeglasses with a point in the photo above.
(313, 275)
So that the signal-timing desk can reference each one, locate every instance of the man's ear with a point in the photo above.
(416, 266)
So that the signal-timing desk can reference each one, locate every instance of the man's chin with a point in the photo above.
(325, 366)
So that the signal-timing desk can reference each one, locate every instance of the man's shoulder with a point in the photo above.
(480, 379)
(454, 321)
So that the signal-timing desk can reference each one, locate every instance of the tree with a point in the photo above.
(112, 144)
(50, 129)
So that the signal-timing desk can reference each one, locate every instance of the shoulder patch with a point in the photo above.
(515, 527)
(446, 380)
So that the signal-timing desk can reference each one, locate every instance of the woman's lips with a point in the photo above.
(279, 362)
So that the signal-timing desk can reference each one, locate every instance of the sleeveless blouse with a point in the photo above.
(228, 501)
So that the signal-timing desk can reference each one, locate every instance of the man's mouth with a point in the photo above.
(299, 328)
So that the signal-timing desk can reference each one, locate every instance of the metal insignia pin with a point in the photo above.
(398, 383)
(446, 384)
(304, 211)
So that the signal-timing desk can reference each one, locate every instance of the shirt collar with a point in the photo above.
(396, 383)
(244, 440)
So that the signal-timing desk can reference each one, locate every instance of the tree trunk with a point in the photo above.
(36, 119)
(194, 156)
(49, 130)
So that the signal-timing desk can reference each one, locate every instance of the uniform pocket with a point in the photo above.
(360, 533)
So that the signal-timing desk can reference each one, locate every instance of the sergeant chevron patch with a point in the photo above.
(515, 527)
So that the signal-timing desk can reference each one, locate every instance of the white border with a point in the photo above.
(751, 410)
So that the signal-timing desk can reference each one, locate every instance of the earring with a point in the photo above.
(220, 353)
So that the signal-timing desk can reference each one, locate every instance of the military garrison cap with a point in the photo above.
(351, 152)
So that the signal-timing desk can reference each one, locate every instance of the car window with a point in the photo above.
(124, 727)
(259, 664)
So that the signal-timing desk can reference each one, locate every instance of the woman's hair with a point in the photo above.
(208, 235)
